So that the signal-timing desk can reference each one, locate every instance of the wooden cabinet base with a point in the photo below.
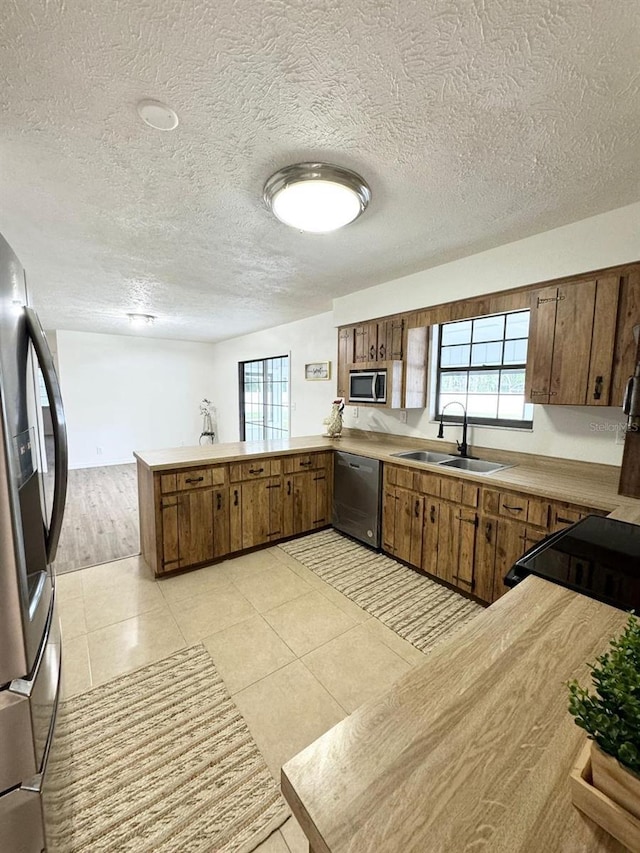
(614, 819)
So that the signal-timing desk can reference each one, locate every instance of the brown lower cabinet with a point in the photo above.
(190, 517)
(255, 513)
(195, 527)
(461, 533)
(305, 501)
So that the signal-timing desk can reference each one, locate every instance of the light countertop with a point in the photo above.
(583, 483)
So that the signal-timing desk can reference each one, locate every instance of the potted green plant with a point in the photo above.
(611, 718)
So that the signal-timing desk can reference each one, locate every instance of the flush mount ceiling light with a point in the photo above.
(157, 115)
(316, 197)
(141, 319)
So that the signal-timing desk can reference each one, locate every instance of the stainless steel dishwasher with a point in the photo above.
(357, 497)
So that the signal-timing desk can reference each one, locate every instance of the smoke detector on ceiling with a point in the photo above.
(157, 115)
(141, 319)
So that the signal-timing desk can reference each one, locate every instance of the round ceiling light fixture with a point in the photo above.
(157, 115)
(141, 319)
(316, 197)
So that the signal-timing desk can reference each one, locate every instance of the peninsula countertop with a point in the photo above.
(584, 483)
(470, 751)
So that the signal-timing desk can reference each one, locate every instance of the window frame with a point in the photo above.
(509, 423)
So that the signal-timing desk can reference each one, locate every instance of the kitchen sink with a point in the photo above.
(478, 466)
(425, 456)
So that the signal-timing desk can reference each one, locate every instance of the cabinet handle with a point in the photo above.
(273, 486)
(194, 479)
(219, 501)
(538, 393)
(513, 508)
(306, 464)
(235, 497)
(562, 520)
(256, 470)
(382, 350)
(288, 487)
(432, 515)
(597, 391)
(417, 509)
(372, 353)
(473, 520)
(488, 530)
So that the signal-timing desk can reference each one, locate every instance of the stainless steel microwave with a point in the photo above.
(367, 386)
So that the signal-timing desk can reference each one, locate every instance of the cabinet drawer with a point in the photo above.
(532, 510)
(538, 512)
(563, 515)
(427, 483)
(250, 470)
(303, 462)
(193, 478)
(451, 490)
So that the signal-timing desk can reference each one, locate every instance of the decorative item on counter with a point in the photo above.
(208, 411)
(605, 783)
(334, 421)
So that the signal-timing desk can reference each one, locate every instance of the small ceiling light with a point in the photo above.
(141, 319)
(316, 197)
(157, 115)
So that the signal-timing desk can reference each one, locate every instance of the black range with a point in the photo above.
(599, 557)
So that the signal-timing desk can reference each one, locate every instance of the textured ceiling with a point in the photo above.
(475, 122)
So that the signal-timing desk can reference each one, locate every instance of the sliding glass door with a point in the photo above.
(264, 398)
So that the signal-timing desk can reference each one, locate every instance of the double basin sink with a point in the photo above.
(478, 466)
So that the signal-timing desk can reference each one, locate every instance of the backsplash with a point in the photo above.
(587, 434)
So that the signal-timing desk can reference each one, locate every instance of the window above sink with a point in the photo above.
(481, 364)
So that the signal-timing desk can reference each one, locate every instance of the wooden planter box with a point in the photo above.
(613, 818)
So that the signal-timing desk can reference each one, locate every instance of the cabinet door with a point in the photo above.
(603, 342)
(390, 340)
(447, 555)
(389, 518)
(345, 358)
(572, 343)
(220, 522)
(366, 342)
(170, 541)
(409, 510)
(542, 328)
(195, 527)
(431, 523)
(276, 508)
(323, 506)
(485, 559)
(304, 501)
(510, 545)
(255, 511)
(235, 518)
(466, 534)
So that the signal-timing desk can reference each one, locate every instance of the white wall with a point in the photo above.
(570, 432)
(601, 241)
(313, 339)
(126, 393)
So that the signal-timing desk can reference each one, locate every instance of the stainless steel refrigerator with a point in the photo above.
(30, 521)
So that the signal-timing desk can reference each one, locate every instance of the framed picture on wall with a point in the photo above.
(317, 370)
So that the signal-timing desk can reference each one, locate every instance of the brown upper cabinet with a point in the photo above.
(396, 344)
(572, 339)
(379, 341)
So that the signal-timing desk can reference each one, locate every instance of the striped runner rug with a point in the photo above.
(160, 761)
(418, 609)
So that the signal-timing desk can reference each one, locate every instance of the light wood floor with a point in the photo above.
(101, 517)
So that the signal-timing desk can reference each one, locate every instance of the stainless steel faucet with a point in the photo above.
(463, 447)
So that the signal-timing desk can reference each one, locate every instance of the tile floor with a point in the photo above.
(296, 655)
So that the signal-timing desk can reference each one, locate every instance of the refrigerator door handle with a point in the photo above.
(45, 361)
